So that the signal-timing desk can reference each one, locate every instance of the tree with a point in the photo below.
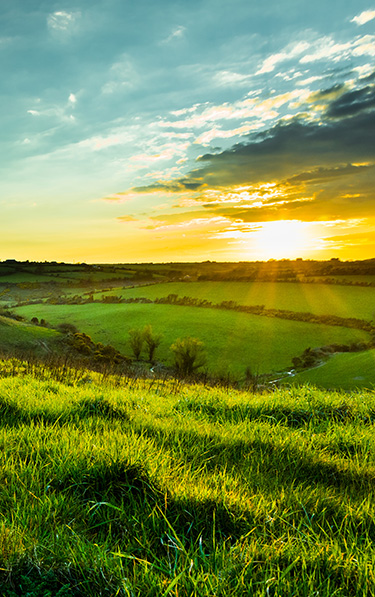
(152, 340)
(189, 355)
(136, 342)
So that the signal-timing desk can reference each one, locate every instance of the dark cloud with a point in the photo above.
(325, 94)
(289, 148)
(177, 186)
(352, 102)
(314, 210)
(322, 174)
(322, 170)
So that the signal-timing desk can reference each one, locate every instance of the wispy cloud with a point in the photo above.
(123, 76)
(177, 33)
(290, 52)
(364, 17)
(62, 20)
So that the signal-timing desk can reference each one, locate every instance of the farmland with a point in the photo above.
(320, 299)
(346, 370)
(234, 341)
(311, 309)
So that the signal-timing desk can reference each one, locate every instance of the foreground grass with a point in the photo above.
(234, 341)
(126, 487)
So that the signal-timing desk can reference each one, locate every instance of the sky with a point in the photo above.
(175, 130)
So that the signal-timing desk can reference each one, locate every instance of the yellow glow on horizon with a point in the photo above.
(282, 239)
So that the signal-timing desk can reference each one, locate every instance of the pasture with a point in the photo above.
(234, 341)
(320, 299)
(125, 487)
(16, 335)
(345, 370)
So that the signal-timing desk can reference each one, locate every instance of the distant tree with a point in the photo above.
(189, 355)
(152, 340)
(136, 342)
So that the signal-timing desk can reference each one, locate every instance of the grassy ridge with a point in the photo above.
(234, 340)
(135, 488)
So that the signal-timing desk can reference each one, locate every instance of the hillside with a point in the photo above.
(123, 487)
(346, 370)
(26, 337)
(234, 341)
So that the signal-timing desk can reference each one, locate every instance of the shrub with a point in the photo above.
(67, 328)
(136, 342)
(152, 340)
(189, 355)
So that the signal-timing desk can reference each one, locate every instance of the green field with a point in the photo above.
(321, 299)
(126, 488)
(234, 340)
(344, 370)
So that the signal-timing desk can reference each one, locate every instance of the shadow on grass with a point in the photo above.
(291, 417)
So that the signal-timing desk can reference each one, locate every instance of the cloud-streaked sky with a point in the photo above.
(135, 130)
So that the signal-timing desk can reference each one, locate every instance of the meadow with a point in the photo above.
(320, 299)
(19, 335)
(344, 370)
(126, 487)
(234, 341)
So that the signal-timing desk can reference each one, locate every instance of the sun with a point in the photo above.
(283, 239)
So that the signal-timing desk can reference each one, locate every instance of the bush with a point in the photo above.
(189, 355)
(67, 328)
(152, 340)
(136, 342)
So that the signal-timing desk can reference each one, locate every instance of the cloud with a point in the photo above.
(297, 169)
(123, 76)
(322, 174)
(256, 108)
(227, 78)
(269, 64)
(287, 147)
(364, 17)
(177, 33)
(353, 102)
(61, 20)
(326, 48)
(127, 219)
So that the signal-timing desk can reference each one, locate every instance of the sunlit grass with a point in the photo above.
(131, 487)
(321, 299)
(233, 340)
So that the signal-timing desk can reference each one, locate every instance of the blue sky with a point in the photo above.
(170, 130)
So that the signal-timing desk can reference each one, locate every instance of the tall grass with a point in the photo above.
(147, 487)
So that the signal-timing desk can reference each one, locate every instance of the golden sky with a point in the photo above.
(187, 131)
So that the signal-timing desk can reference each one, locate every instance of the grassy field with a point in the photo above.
(234, 341)
(24, 336)
(344, 370)
(321, 299)
(127, 488)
